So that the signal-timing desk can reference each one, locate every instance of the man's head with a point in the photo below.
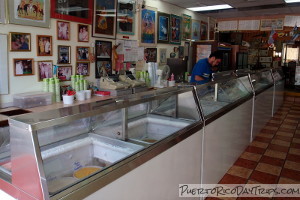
(215, 58)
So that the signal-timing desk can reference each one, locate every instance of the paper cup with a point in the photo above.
(88, 94)
(68, 99)
(80, 95)
(171, 83)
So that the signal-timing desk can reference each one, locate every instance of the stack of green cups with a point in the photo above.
(52, 88)
(73, 81)
(57, 90)
(81, 84)
(46, 84)
(85, 84)
(77, 86)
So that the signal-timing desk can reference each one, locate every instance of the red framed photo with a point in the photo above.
(72, 10)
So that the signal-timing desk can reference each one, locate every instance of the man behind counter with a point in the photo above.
(205, 67)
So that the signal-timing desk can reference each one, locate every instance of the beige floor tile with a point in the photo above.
(285, 134)
(259, 144)
(270, 169)
(251, 156)
(240, 171)
(252, 182)
(271, 128)
(296, 140)
(275, 154)
(283, 180)
(292, 165)
(280, 142)
(294, 151)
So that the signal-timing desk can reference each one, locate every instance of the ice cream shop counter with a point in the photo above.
(86, 151)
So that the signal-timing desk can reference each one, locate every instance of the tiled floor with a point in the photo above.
(274, 155)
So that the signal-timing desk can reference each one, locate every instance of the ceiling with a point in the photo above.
(242, 8)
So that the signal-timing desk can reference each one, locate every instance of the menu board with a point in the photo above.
(271, 24)
(249, 25)
(228, 25)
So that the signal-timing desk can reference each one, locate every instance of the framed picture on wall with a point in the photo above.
(103, 50)
(82, 53)
(63, 30)
(44, 45)
(20, 41)
(72, 10)
(163, 27)
(195, 30)
(151, 54)
(83, 68)
(147, 26)
(103, 68)
(29, 13)
(2, 12)
(23, 66)
(175, 29)
(45, 69)
(162, 56)
(203, 31)
(64, 73)
(186, 26)
(83, 33)
(104, 23)
(64, 54)
(126, 18)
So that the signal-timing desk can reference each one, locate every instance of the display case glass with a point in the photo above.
(278, 74)
(71, 147)
(215, 96)
(262, 80)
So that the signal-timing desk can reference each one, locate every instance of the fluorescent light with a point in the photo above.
(292, 1)
(207, 8)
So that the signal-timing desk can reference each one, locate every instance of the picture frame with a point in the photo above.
(83, 33)
(64, 73)
(269, 24)
(63, 11)
(45, 69)
(195, 35)
(163, 27)
(20, 41)
(23, 14)
(44, 45)
(63, 54)
(104, 20)
(83, 68)
(126, 18)
(103, 68)
(147, 26)
(23, 66)
(2, 12)
(203, 31)
(103, 50)
(82, 53)
(151, 54)
(63, 30)
(175, 29)
(162, 56)
(186, 27)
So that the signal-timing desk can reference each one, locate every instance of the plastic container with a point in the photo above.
(171, 83)
(80, 96)
(102, 93)
(68, 99)
(88, 94)
(32, 99)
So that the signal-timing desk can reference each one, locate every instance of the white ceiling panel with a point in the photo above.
(252, 3)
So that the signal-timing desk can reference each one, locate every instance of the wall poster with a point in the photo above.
(195, 30)
(126, 18)
(148, 27)
(163, 27)
(203, 31)
(186, 26)
(175, 31)
(29, 12)
(104, 24)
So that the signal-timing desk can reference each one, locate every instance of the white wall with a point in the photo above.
(22, 84)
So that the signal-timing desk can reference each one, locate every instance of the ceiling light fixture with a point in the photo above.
(208, 8)
(292, 1)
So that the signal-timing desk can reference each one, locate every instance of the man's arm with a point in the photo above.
(198, 78)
